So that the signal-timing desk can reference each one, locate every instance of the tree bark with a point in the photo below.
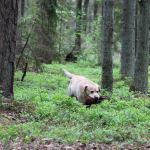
(107, 45)
(136, 26)
(140, 79)
(128, 42)
(8, 23)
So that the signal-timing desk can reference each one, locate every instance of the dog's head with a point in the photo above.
(91, 90)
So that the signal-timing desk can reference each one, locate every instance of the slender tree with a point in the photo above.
(136, 25)
(21, 8)
(8, 24)
(91, 16)
(128, 42)
(96, 8)
(140, 78)
(78, 27)
(107, 45)
(118, 13)
(85, 7)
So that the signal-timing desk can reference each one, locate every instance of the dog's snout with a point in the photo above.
(96, 97)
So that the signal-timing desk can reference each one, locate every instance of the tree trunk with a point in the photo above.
(140, 79)
(136, 26)
(78, 28)
(8, 23)
(21, 5)
(91, 16)
(96, 8)
(86, 4)
(128, 43)
(107, 45)
(100, 54)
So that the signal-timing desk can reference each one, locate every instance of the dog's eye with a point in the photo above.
(92, 91)
(97, 91)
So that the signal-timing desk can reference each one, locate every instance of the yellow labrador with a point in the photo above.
(81, 88)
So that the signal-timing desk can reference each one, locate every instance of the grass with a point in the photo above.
(49, 113)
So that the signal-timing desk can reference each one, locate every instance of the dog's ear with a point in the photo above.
(84, 88)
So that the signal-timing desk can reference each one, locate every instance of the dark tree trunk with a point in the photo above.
(136, 26)
(128, 42)
(22, 7)
(96, 7)
(140, 79)
(86, 4)
(8, 23)
(107, 45)
(78, 28)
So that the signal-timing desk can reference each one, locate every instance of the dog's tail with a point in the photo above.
(68, 74)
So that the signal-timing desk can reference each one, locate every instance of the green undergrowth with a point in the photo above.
(54, 115)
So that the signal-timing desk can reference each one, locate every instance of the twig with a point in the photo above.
(23, 50)
(25, 70)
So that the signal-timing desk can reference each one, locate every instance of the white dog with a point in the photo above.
(81, 88)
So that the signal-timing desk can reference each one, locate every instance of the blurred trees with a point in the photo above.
(39, 34)
(49, 30)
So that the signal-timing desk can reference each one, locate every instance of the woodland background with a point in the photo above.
(106, 41)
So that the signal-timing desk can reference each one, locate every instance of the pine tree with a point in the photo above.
(128, 42)
(8, 24)
(140, 78)
(107, 45)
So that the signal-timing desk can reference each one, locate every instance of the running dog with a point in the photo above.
(81, 88)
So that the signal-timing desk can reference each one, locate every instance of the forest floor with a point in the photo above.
(42, 117)
(10, 115)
